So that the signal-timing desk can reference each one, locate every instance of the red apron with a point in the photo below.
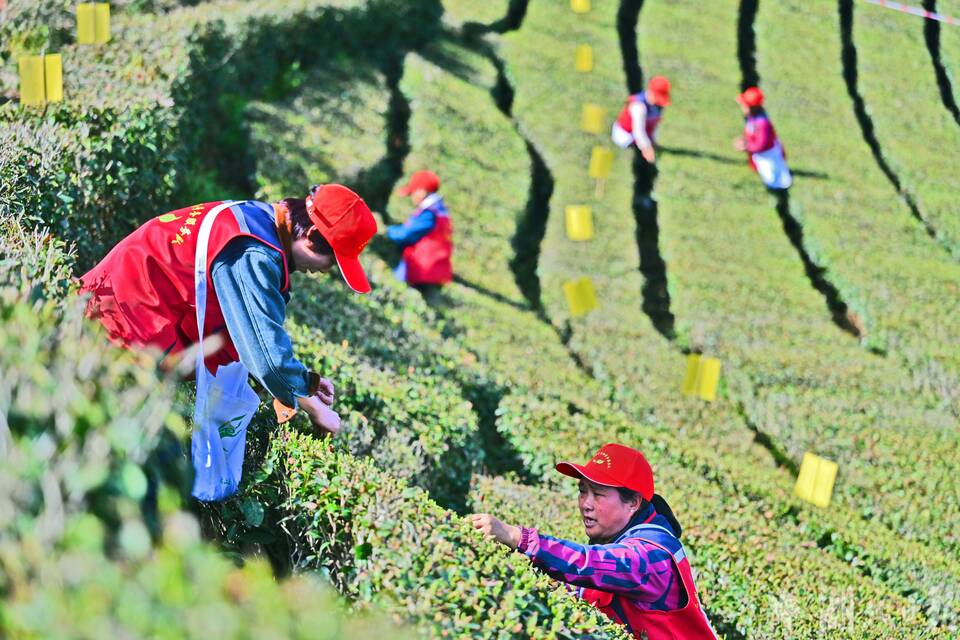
(143, 290)
(687, 623)
(428, 260)
(654, 113)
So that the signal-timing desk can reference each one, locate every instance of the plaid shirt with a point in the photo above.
(629, 567)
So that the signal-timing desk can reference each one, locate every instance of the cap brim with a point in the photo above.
(579, 471)
(405, 191)
(353, 275)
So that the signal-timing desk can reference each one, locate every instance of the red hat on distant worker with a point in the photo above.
(658, 91)
(426, 180)
(752, 97)
(615, 465)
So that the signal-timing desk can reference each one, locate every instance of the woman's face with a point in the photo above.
(604, 513)
(418, 196)
(308, 260)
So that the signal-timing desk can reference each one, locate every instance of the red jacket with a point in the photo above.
(429, 259)
(143, 290)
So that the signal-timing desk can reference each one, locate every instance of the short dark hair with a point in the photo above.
(302, 225)
(628, 495)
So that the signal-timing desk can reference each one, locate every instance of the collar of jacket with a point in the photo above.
(429, 201)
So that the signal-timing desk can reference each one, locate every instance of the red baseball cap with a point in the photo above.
(345, 221)
(658, 91)
(615, 465)
(426, 180)
(752, 97)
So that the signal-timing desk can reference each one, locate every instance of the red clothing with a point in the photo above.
(641, 580)
(428, 261)
(654, 113)
(143, 290)
(758, 134)
(688, 622)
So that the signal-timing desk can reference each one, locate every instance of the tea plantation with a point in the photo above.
(833, 309)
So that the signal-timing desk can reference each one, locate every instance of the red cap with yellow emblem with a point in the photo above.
(615, 465)
(345, 221)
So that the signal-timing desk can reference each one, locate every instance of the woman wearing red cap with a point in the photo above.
(640, 117)
(143, 290)
(634, 569)
(427, 235)
(760, 141)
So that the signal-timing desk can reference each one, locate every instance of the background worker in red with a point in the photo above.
(427, 235)
(634, 569)
(765, 152)
(143, 290)
(640, 117)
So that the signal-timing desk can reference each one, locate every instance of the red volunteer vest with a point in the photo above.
(143, 290)
(748, 131)
(687, 623)
(654, 113)
(428, 261)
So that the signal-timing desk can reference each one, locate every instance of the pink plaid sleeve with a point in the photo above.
(634, 568)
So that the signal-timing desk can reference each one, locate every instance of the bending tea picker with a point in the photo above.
(426, 237)
(223, 269)
(638, 120)
(634, 568)
(759, 140)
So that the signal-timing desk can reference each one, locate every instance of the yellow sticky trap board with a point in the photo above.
(53, 77)
(86, 23)
(816, 479)
(102, 18)
(580, 6)
(702, 377)
(32, 90)
(581, 296)
(583, 60)
(690, 379)
(591, 119)
(601, 162)
(579, 220)
(93, 23)
(41, 79)
(709, 378)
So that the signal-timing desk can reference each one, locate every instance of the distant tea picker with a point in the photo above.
(638, 121)
(634, 569)
(426, 236)
(766, 154)
(219, 274)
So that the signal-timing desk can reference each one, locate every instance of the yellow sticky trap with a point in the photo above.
(816, 479)
(583, 61)
(93, 23)
(690, 379)
(53, 77)
(580, 6)
(581, 296)
(591, 119)
(708, 379)
(86, 23)
(102, 20)
(601, 162)
(32, 91)
(579, 220)
(702, 377)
